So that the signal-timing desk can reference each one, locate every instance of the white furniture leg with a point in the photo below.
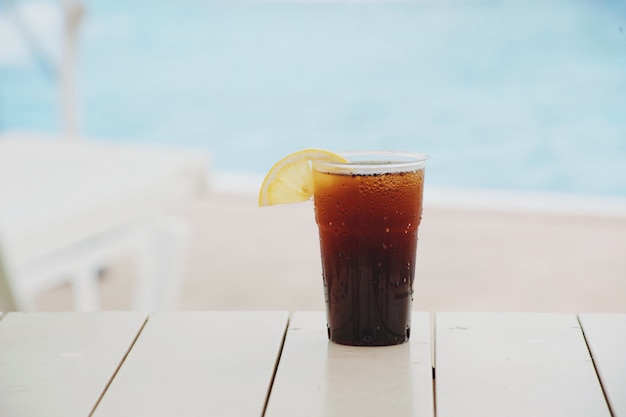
(85, 288)
(161, 264)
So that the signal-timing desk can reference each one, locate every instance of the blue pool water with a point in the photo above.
(516, 95)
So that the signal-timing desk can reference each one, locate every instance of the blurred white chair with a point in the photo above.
(157, 247)
(69, 209)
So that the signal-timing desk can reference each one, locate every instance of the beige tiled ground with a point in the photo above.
(243, 257)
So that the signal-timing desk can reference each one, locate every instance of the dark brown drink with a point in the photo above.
(368, 224)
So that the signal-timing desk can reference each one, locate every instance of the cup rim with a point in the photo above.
(373, 162)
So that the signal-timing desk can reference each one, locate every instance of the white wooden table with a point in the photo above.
(274, 364)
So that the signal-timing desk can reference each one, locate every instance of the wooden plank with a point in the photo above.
(198, 364)
(318, 378)
(606, 338)
(59, 364)
(514, 364)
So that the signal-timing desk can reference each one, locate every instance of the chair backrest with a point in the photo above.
(7, 301)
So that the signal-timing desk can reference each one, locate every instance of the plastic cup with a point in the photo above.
(368, 212)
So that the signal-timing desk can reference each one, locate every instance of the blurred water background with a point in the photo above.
(512, 95)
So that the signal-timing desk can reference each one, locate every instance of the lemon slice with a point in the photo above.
(290, 180)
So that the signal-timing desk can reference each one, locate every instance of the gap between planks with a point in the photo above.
(276, 363)
(119, 365)
(595, 366)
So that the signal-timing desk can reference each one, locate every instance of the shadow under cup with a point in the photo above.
(368, 212)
